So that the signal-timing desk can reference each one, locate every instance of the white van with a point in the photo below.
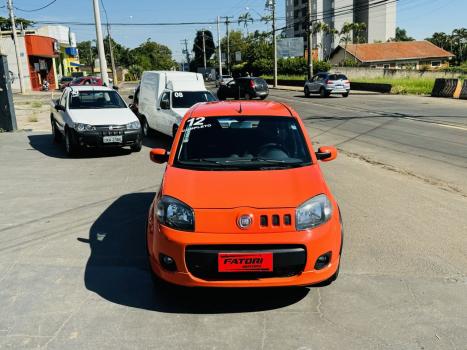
(165, 97)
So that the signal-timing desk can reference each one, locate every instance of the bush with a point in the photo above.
(321, 66)
(262, 66)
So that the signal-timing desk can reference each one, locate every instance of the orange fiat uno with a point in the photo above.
(243, 202)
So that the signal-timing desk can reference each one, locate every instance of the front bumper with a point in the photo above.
(95, 138)
(195, 255)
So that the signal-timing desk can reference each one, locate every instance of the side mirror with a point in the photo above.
(115, 87)
(326, 153)
(165, 104)
(159, 155)
(59, 107)
(130, 97)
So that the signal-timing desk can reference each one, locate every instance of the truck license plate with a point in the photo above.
(112, 139)
(245, 262)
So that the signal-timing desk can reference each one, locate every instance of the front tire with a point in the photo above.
(137, 146)
(57, 136)
(71, 148)
(307, 91)
(144, 127)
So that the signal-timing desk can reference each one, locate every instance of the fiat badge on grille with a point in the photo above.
(244, 221)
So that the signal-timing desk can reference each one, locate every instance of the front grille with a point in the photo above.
(201, 261)
(275, 220)
(105, 130)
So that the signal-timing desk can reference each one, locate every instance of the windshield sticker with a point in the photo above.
(194, 124)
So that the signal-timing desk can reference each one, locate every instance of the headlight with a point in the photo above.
(133, 125)
(314, 212)
(84, 127)
(175, 214)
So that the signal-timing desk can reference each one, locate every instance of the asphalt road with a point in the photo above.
(73, 270)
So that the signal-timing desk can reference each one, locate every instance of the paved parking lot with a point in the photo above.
(73, 271)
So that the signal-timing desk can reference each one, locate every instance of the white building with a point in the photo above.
(380, 19)
(7, 47)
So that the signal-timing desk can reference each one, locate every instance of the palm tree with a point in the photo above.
(345, 36)
(245, 18)
(333, 32)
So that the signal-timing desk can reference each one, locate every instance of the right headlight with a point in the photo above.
(314, 212)
(175, 214)
(84, 127)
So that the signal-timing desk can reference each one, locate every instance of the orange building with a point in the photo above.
(41, 51)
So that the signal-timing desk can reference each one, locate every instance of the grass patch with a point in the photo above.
(402, 86)
(32, 119)
(36, 104)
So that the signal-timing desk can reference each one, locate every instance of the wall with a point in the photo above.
(355, 73)
(8, 48)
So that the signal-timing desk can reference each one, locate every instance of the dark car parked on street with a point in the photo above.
(244, 87)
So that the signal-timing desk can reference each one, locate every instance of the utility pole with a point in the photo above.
(100, 43)
(204, 52)
(186, 52)
(17, 47)
(112, 61)
(272, 5)
(228, 41)
(90, 57)
(219, 50)
(310, 41)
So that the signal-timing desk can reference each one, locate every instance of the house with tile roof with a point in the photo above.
(394, 55)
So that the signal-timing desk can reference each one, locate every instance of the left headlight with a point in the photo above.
(133, 125)
(175, 214)
(84, 127)
(314, 212)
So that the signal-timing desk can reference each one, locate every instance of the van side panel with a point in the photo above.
(149, 97)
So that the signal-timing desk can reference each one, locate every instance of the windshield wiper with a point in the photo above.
(202, 160)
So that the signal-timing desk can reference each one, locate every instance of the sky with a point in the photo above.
(420, 18)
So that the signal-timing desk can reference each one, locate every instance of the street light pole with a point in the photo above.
(100, 43)
(219, 50)
(310, 42)
(274, 40)
(17, 47)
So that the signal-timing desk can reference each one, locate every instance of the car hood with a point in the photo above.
(286, 188)
(103, 116)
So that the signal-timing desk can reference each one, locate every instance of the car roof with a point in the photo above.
(90, 87)
(241, 108)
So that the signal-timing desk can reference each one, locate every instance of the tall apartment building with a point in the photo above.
(380, 19)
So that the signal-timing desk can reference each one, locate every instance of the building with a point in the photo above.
(41, 52)
(394, 55)
(379, 17)
(37, 55)
(68, 61)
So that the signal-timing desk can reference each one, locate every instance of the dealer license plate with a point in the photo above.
(245, 262)
(112, 139)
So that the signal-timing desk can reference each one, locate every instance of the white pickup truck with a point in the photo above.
(94, 116)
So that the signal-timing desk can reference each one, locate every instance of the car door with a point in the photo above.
(231, 89)
(163, 113)
(312, 83)
(60, 114)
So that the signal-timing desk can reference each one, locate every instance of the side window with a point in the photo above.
(165, 97)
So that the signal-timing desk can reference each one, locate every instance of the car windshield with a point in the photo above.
(95, 99)
(246, 143)
(66, 79)
(186, 99)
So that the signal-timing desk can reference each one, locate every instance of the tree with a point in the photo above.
(236, 43)
(401, 35)
(5, 23)
(87, 53)
(345, 36)
(120, 52)
(358, 29)
(210, 48)
(152, 56)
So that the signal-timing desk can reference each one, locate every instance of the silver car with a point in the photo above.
(223, 79)
(326, 84)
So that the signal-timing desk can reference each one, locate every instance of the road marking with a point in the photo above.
(438, 123)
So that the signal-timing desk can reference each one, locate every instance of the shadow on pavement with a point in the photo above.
(118, 270)
(157, 140)
(44, 144)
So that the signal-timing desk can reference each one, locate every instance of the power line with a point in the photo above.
(38, 9)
